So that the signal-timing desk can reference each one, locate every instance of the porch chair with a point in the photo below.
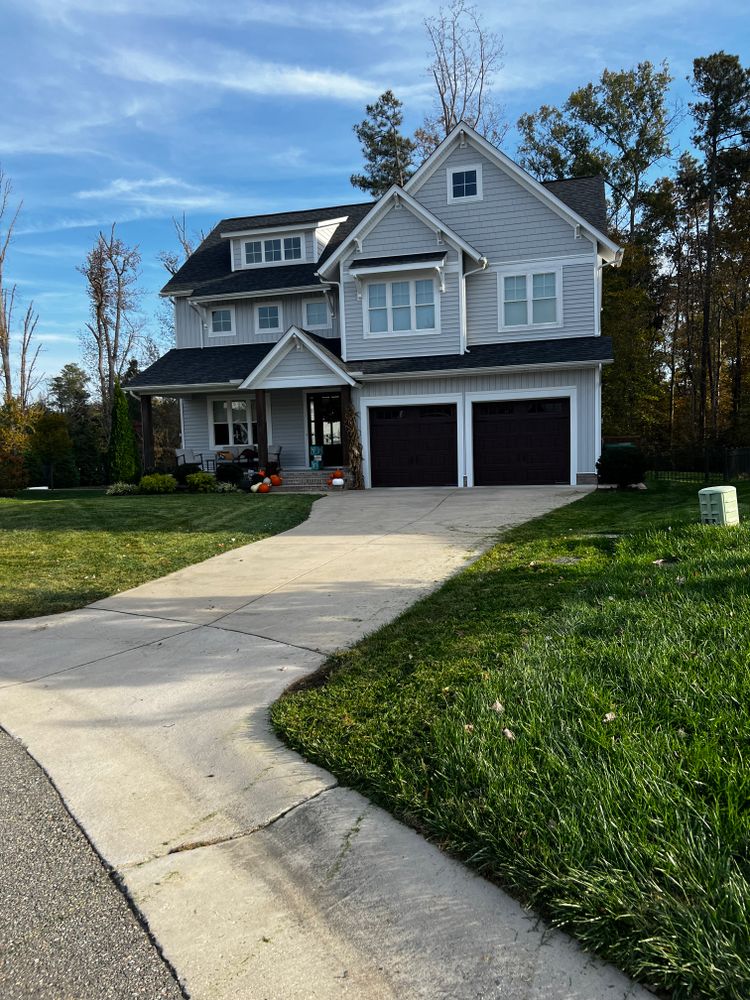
(190, 457)
(274, 458)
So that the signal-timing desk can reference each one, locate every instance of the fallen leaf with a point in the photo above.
(469, 728)
(498, 707)
(610, 717)
(509, 735)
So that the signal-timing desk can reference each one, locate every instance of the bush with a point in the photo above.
(623, 464)
(121, 490)
(201, 482)
(226, 488)
(228, 472)
(122, 456)
(183, 471)
(157, 483)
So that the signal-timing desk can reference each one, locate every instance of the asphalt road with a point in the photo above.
(66, 930)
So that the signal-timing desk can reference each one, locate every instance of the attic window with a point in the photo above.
(274, 250)
(465, 183)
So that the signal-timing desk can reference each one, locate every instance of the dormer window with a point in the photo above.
(465, 183)
(254, 252)
(274, 250)
(293, 248)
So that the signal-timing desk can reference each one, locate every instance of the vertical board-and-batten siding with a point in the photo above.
(400, 231)
(584, 379)
(238, 248)
(195, 422)
(188, 329)
(484, 292)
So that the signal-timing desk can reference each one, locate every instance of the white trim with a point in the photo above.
(290, 227)
(326, 326)
(450, 171)
(341, 307)
(432, 163)
(390, 332)
(463, 320)
(497, 370)
(257, 378)
(263, 293)
(258, 330)
(563, 260)
(597, 414)
(249, 401)
(418, 265)
(367, 402)
(528, 273)
(540, 392)
(280, 236)
(394, 193)
(191, 388)
(182, 421)
(315, 391)
(221, 333)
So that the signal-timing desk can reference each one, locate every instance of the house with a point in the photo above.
(459, 316)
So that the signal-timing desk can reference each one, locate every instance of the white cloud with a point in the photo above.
(157, 192)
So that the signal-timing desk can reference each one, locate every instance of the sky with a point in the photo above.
(135, 111)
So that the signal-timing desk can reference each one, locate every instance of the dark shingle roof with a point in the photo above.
(563, 350)
(585, 195)
(402, 258)
(210, 266)
(202, 366)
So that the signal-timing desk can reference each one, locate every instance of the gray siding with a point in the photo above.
(195, 419)
(482, 295)
(301, 365)
(583, 379)
(509, 223)
(288, 426)
(188, 324)
(238, 255)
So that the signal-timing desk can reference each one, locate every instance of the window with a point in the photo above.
(316, 315)
(465, 183)
(274, 250)
(531, 299)
(253, 252)
(395, 307)
(269, 317)
(221, 322)
(232, 421)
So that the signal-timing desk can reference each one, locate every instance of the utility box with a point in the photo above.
(718, 505)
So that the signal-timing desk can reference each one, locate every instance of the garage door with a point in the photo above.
(522, 442)
(413, 445)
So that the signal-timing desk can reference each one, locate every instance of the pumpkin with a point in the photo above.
(261, 472)
(255, 487)
(338, 482)
(338, 474)
(275, 480)
(264, 488)
(329, 482)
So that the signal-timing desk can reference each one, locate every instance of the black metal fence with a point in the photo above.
(714, 465)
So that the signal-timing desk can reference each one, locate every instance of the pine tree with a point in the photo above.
(123, 452)
(388, 154)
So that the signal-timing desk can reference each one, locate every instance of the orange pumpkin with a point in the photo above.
(264, 488)
(338, 474)
(261, 472)
(275, 480)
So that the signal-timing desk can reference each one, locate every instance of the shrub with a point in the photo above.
(623, 464)
(16, 426)
(183, 471)
(157, 483)
(121, 490)
(122, 456)
(226, 488)
(201, 482)
(228, 472)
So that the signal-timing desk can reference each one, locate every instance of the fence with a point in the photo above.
(715, 465)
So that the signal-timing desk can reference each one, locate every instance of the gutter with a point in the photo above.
(172, 390)
(496, 369)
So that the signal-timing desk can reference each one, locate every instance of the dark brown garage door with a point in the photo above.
(413, 445)
(522, 442)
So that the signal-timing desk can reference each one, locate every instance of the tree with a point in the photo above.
(68, 391)
(722, 131)
(15, 429)
(69, 395)
(388, 154)
(28, 353)
(123, 452)
(174, 259)
(51, 452)
(618, 127)
(466, 60)
(113, 334)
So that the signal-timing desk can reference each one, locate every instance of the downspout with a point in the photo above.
(201, 320)
(340, 312)
(483, 265)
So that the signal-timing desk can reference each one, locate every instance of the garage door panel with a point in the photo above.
(523, 442)
(413, 445)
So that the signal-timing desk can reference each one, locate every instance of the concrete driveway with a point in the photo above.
(258, 875)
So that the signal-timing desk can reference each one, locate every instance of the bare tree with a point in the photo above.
(174, 259)
(113, 334)
(466, 61)
(28, 352)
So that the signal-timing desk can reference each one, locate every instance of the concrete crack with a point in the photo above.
(346, 844)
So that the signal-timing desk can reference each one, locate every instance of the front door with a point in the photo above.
(324, 425)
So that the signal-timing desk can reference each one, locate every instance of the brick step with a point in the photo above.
(311, 480)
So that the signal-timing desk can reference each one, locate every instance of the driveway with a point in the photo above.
(258, 875)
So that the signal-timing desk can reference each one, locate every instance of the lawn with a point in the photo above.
(572, 718)
(69, 548)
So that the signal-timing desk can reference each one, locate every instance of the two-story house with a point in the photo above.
(459, 317)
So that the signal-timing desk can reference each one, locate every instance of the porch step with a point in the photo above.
(310, 480)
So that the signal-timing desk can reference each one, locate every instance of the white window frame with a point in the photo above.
(479, 196)
(388, 281)
(281, 236)
(249, 402)
(524, 271)
(316, 326)
(227, 308)
(267, 329)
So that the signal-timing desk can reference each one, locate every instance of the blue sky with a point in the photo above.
(132, 111)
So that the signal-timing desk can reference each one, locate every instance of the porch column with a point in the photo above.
(346, 402)
(147, 433)
(260, 415)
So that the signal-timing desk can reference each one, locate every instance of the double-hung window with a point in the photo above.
(232, 421)
(531, 299)
(396, 307)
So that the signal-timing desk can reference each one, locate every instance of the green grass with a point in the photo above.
(631, 834)
(68, 548)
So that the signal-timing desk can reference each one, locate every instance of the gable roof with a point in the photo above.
(585, 195)
(209, 267)
(315, 347)
(550, 194)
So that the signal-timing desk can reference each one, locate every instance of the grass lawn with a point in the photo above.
(65, 549)
(574, 721)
